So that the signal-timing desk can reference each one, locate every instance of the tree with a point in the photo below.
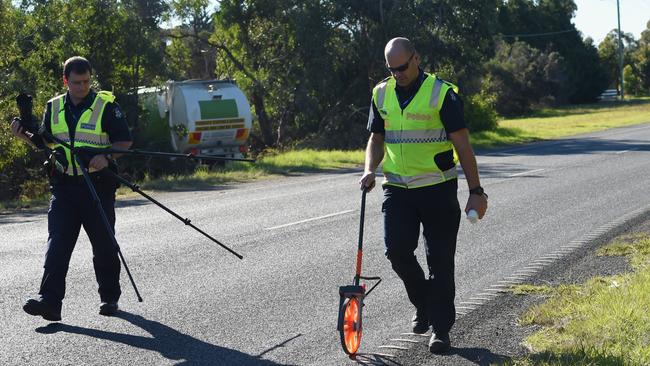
(632, 81)
(609, 55)
(521, 76)
(546, 25)
(191, 54)
(642, 59)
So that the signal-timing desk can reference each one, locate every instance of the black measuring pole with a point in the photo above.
(107, 224)
(136, 188)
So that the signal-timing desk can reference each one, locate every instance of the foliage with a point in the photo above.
(631, 81)
(480, 112)
(520, 76)
(546, 26)
(306, 67)
(642, 60)
(608, 51)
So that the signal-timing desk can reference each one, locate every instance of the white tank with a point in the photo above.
(210, 117)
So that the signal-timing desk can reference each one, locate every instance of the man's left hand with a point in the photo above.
(98, 162)
(478, 203)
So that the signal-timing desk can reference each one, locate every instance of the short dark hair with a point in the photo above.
(77, 64)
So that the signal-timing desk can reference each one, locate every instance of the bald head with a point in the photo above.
(399, 45)
(402, 61)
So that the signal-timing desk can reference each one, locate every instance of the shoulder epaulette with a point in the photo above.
(55, 98)
(383, 81)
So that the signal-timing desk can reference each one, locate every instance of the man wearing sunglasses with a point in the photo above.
(416, 123)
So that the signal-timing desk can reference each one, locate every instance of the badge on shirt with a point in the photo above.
(118, 112)
(452, 95)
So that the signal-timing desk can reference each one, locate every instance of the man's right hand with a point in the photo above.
(19, 131)
(367, 181)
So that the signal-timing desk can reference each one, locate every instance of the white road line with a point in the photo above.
(307, 220)
(624, 151)
(524, 173)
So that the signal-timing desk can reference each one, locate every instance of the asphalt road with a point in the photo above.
(278, 306)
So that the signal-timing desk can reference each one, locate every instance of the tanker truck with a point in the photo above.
(207, 117)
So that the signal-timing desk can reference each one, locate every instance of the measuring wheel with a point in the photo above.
(350, 325)
(351, 299)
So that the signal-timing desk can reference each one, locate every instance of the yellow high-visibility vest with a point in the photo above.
(415, 135)
(88, 132)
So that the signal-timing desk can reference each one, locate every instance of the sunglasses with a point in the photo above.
(402, 67)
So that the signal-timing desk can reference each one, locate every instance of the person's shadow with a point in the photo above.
(169, 342)
(480, 356)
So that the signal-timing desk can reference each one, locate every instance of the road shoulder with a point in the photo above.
(490, 334)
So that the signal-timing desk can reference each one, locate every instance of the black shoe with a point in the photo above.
(439, 343)
(109, 308)
(420, 322)
(40, 307)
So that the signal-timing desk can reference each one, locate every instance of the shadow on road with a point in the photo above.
(479, 356)
(167, 341)
(571, 146)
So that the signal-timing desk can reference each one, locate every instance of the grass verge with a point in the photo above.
(602, 322)
(565, 121)
(23, 203)
(282, 164)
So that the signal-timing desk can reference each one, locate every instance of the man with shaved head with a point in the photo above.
(417, 128)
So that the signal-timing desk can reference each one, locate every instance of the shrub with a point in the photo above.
(480, 114)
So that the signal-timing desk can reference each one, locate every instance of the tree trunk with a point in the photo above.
(262, 118)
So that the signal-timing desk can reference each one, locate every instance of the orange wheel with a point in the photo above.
(351, 330)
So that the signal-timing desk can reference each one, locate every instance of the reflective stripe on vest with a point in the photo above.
(421, 180)
(435, 94)
(57, 108)
(88, 132)
(415, 136)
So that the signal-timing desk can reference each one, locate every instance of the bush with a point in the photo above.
(632, 81)
(521, 77)
(480, 114)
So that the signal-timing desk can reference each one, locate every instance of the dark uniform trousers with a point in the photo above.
(437, 209)
(72, 206)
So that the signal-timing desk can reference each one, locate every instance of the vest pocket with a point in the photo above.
(444, 160)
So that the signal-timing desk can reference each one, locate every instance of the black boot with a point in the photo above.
(439, 343)
(109, 308)
(420, 322)
(42, 308)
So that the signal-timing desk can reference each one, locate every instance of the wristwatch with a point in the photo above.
(478, 191)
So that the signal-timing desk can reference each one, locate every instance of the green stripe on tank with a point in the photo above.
(226, 108)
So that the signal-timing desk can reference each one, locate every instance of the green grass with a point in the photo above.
(565, 121)
(526, 289)
(269, 165)
(25, 203)
(602, 322)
